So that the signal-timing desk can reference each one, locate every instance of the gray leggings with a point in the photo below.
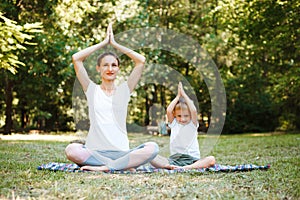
(118, 160)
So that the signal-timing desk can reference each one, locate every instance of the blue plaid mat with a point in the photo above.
(54, 166)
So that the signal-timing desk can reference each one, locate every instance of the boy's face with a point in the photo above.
(182, 115)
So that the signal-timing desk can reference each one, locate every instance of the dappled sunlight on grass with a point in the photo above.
(20, 158)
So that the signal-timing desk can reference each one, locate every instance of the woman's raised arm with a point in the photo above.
(79, 57)
(138, 59)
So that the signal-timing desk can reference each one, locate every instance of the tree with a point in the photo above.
(13, 38)
(254, 45)
(261, 52)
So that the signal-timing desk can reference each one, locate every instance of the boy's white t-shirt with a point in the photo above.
(107, 116)
(184, 139)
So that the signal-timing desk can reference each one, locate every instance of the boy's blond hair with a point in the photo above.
(181, 104)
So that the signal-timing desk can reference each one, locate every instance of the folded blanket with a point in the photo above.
(54, 166)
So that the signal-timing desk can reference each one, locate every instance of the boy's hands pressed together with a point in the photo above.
(181, 91)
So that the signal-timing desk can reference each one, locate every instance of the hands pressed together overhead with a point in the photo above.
(181, 91)
(110, 35)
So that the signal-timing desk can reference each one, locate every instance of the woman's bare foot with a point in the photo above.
(101, 168)
(95, 168)
(131, 169)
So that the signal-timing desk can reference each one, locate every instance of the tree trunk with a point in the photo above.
(24, 118)
(147, 106)
(8, 102)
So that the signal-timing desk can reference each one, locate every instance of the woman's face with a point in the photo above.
(108, 68)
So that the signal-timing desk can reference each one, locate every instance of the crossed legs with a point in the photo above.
(134, 158)
(162, 162)
(208, 161)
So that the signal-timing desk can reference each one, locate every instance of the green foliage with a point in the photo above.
(265, 49)
(254, 44)
(13, 37)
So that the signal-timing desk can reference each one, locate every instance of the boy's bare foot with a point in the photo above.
(171, 167)
(187, 167)
(178, 167)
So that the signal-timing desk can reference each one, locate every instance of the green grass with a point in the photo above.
(20, 179)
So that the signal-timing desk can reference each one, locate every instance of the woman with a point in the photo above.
(107, 144)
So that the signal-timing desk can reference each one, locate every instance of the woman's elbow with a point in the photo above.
(74, 58)
(142, 60)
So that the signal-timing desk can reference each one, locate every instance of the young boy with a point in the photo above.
(184, 147)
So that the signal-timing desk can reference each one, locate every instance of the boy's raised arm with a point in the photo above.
(170, 109)
(171, 106)
(190, 104)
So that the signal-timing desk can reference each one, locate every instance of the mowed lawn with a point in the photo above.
(21, 180)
